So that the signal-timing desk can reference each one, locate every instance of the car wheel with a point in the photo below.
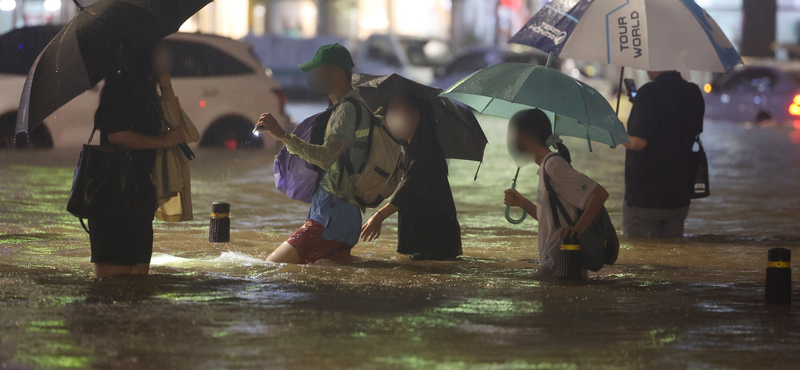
(38, 138)
(231, 133)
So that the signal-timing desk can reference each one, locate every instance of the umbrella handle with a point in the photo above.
(508, 210)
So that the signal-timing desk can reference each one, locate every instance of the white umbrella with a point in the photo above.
(651, 35)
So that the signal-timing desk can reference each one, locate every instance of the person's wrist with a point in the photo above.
(527, 204)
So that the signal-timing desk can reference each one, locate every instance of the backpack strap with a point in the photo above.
(344, 159)
(555, 203)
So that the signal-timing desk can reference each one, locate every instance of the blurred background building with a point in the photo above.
(461, 22)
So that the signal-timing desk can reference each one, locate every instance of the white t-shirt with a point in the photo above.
(573, 189)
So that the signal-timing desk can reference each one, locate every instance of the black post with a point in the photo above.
(778, 288)
(571, 266)
(220, 229)
(80, 7)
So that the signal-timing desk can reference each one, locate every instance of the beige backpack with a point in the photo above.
(378, 176)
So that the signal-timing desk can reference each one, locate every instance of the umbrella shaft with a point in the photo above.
(619, 88)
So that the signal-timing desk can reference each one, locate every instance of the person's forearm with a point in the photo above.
(595, 204)
(134, 140)
(324, 155)
(530, 208)
(387, 210)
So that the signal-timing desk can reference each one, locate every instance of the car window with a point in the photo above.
(380, 49)
(19, 48)
(194, 59)
(469, 62)
(752, 80)
(426, 52)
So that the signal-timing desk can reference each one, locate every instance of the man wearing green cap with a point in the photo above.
(334, 221)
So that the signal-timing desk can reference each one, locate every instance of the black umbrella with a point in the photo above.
(99, 40)
(458, 131)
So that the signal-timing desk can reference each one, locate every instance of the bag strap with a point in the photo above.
(91, 136)
(344, 159)
(84, 225)
(555, 202)
(141, 88)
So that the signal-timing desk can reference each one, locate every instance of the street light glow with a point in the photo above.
(8, 5)
(52, 5)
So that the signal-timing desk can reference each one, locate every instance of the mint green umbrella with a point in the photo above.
(575, 108)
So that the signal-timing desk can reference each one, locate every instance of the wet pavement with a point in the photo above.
(695, 303)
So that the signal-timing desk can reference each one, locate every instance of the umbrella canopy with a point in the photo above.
(457, 130)
(651, 35)
(97, 41)
(507, 88)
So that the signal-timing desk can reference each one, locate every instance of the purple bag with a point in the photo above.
(293, 175)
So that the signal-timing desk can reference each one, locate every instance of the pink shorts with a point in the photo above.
(309, 244)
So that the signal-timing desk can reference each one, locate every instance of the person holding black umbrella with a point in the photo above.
(428, 228)
(122, 237)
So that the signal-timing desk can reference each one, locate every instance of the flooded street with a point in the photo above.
(695, 303)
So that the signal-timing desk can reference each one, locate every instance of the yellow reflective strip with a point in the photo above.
(570, 247)
(779, 264)
(219, 215)
(362, 133)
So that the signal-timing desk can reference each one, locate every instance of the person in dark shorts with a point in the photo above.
(666, 117)
(334, 220)
(427, 227)
(122, 239)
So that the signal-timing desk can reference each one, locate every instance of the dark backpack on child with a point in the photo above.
(599, 243)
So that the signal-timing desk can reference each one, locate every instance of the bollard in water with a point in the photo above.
(571, 267)
(220, 229)
(778, 289)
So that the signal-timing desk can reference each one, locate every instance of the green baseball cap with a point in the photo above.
(332, 54)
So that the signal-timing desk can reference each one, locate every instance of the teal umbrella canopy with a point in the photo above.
(576, 109)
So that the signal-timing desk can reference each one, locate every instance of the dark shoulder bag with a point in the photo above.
(599, 243)
(102, 175)
(698, 165)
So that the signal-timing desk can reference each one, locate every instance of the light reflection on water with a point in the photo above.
(691, 303)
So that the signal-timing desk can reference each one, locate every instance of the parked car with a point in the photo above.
(413, 57)
(755, 93)
(477, 58)
(222, 86)
(282, 54)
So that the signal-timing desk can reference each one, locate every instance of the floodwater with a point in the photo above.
(695, 303)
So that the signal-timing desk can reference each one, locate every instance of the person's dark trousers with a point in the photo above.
(652, 222)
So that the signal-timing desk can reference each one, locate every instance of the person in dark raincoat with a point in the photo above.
(427, 228)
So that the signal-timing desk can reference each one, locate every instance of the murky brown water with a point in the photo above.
(678, 304)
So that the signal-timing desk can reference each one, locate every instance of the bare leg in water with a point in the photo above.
(104, 270)
(285, 253)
